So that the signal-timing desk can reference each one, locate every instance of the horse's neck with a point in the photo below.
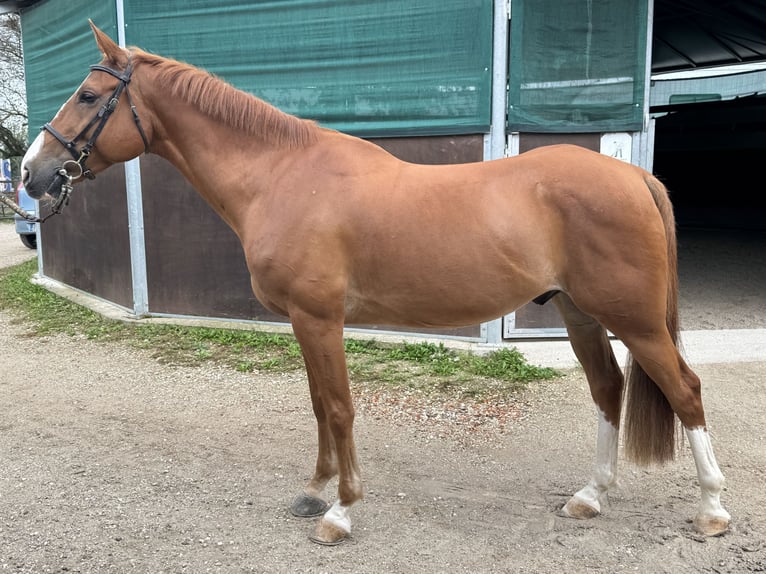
(227, 168)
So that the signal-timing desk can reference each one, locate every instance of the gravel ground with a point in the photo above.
(12, 251)
(112, 462)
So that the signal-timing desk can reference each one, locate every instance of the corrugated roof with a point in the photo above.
(692, 34)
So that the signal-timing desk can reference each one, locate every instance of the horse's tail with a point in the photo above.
(650, 424)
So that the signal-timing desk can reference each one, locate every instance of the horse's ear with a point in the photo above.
(111, 51)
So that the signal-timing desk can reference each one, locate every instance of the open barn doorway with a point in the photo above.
(710, 155)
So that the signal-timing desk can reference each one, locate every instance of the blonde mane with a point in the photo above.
(225, 103)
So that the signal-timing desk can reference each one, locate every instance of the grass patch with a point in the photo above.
(46, 312)
(426, 367)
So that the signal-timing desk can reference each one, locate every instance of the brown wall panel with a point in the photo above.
(87, 245)
(435, 150)
(195, 263)
(531, 141)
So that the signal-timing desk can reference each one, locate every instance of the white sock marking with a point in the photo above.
(605, 469)
(338, 515)
(710, 476)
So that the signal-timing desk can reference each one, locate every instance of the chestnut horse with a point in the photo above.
(336, 230)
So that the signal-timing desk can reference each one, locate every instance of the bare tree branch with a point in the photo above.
(13, 105)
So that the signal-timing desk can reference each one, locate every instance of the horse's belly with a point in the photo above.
(423, 308)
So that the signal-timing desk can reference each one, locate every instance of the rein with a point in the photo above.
(57, 207)
(63, 199)
(75, 168)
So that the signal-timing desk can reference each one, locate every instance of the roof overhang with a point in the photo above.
(15, 5)
(692, 34)
(688, 34)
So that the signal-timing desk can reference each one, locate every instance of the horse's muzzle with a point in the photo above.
(50, 187)
(48, 182)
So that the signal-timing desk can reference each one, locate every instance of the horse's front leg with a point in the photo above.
(321, 341)
(310, 503)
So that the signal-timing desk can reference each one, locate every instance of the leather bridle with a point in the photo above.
(80, 156)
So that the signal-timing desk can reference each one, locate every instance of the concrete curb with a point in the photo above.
(698, 348)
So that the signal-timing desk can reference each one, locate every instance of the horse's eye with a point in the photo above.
(87, 98)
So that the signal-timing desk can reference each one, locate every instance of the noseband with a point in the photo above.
(80, 156)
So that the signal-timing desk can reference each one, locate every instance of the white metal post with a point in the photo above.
(135, 209)
(492, 331)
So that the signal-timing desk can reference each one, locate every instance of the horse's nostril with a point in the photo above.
(24, 176)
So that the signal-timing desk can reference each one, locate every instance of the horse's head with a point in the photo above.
(96, 127)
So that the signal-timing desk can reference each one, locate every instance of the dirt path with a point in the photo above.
(111, 462)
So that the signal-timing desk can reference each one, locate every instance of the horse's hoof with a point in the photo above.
(711, 525)
(578, 508)
(328, 534)
(305, 506)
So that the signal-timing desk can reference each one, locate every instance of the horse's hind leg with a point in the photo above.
(591, 346)
(662, 363)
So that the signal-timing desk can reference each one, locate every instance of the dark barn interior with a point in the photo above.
(709, 156)
(709, 153)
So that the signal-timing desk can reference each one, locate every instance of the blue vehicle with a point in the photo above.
(27, 231)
